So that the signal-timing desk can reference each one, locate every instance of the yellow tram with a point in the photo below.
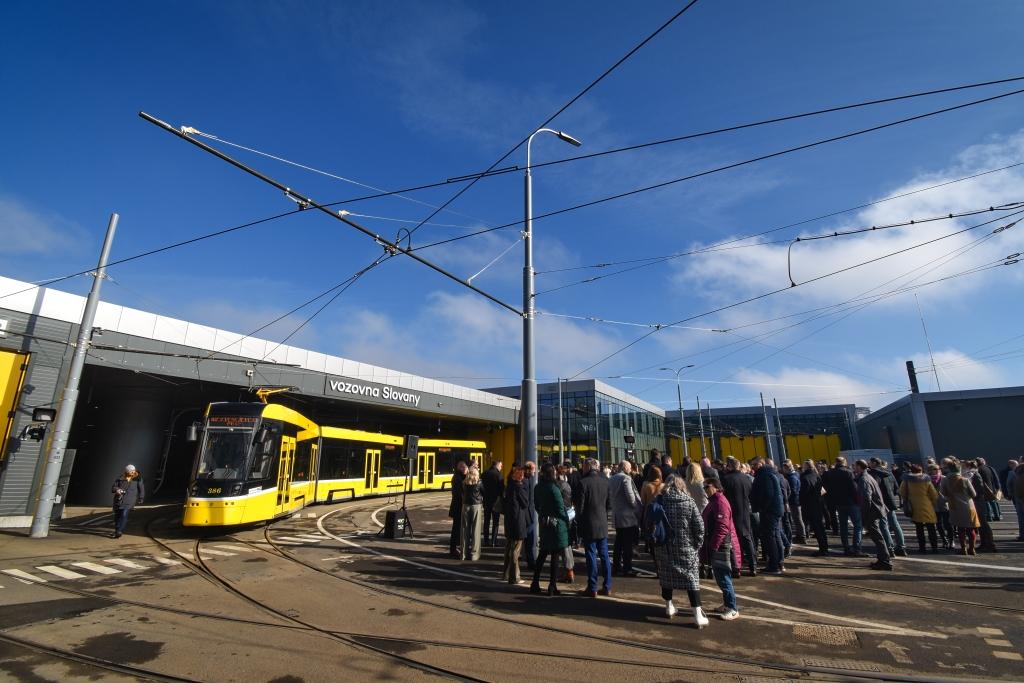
(257, 461)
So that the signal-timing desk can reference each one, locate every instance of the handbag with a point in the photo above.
(722, 558)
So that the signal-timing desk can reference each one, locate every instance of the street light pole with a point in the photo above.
(682, 419)
(528, 409)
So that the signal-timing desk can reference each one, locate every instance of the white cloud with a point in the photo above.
(26, 230)
(736, 274)
(956, 370)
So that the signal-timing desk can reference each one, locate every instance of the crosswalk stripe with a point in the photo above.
(311, 537)
(236, 548)
(297, 539)
(210, 551)
(24, 577)
(60, 571)
(166, 560)
(98, 568)
(124, 563)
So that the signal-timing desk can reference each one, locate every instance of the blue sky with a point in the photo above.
(394, 95)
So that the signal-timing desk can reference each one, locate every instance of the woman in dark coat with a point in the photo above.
(518, 516)
(554, 527)
(128, 492)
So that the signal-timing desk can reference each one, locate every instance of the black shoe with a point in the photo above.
(606, 591)
(535, 589)
(552, 590)
(586, 593)
(901, 552)
(881, 566)
(116, 534)
(736, 573)
(752, 572)
(820, 553)
(631, 573)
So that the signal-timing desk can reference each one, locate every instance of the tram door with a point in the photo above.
(371, 480)
(284, 474)
(426, 469)
(478, 460)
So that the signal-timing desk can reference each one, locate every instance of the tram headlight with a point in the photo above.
(236, 489)
(193, 489)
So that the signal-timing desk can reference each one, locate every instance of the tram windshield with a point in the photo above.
(224, 455)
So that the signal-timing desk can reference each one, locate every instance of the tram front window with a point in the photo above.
(225, 455)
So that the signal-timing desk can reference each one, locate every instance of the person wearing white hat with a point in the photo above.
(128, 492)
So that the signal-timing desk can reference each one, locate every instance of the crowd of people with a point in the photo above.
(720, 520)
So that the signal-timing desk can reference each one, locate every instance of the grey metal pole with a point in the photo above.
(700, 416)
(711, 427)
(528, 415)
(782, 437)
(767, 429)
(68, 401)
(682, 418)
(561, 438)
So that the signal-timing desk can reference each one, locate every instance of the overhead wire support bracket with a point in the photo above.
(342, 216)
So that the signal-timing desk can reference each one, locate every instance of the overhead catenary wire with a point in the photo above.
(340, 215)
(277, 216)
(721, 247)
(727, 167)
(789, 288)
(561, 109)
(509, 169)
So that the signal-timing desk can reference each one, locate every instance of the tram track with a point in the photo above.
(774, 670)
(200, 567)
(89, 660)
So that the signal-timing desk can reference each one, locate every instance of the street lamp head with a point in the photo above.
(568, 138)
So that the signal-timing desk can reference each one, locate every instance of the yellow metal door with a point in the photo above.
(425, 476)
(477, 459)
(284, 474)
(12, 375)
(371, 477)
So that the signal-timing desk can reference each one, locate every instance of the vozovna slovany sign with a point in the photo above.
(387, 393)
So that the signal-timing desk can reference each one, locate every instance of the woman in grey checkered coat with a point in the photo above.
(678, 561)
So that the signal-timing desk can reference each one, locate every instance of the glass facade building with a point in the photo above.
(596, 420)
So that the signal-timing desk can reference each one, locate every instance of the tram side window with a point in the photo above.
(340, 460)
(264, 453)
(447, 458)
(303, 460)
(392, 464)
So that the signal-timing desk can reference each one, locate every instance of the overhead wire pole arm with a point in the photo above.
(341, 215)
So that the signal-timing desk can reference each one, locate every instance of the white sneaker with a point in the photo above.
(670, 609)
(730, 614)
(699, 618)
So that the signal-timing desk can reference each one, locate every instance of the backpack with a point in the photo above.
(657, 529)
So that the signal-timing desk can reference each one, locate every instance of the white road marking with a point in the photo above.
(993, 642)
(60, 571)
(973, 565)
(236, 548)
(298, 540)
(124, 563)
(24, 577)
(986, 631)
(98, 568)
(1003, 654)
(166, 560)
(210, 551)
(866, 626)
(374, 514)
(312, 537)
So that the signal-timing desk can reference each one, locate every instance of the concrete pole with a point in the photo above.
(711, 427)
(68, 401)
(561, 438)
(767, 430)
(700, 416)
(782, 437)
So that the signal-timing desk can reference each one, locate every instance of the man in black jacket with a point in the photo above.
(842, 495)
(455, 508)
(736, 487)
(873, 511)
(992, 479)
(766, 499)
(892, 532)
(593, 504)
(811, 505)
(494, 487)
